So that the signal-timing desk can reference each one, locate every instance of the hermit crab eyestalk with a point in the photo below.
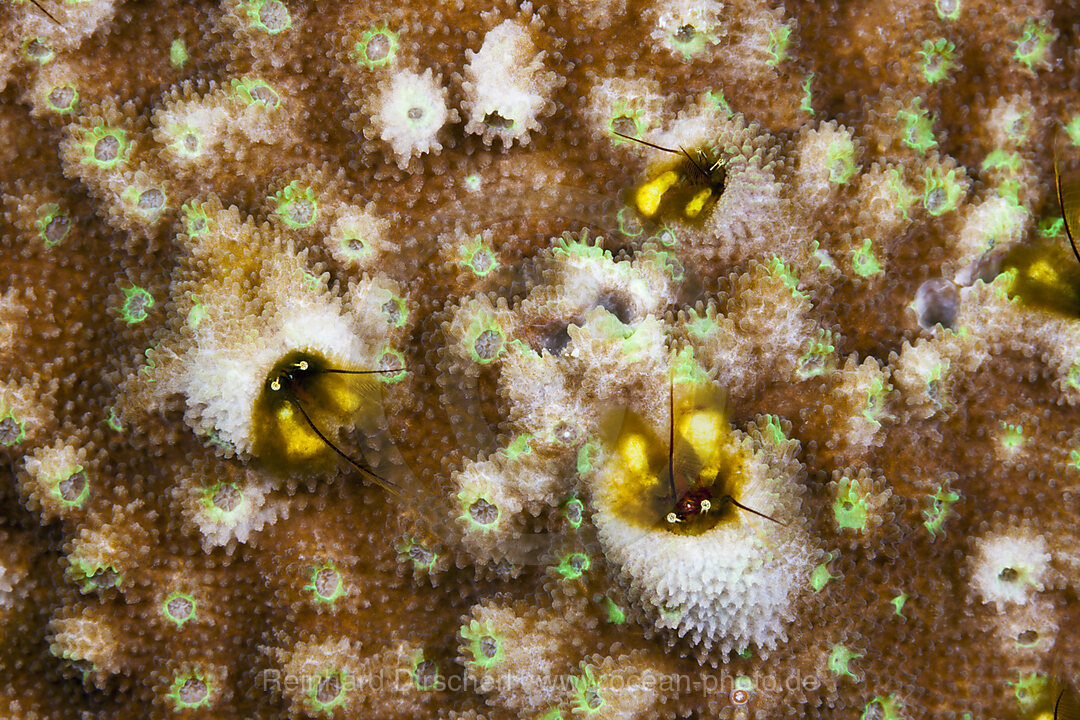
(39, 6)
(305, 408)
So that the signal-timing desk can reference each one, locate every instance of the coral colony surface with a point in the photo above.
(593, 359)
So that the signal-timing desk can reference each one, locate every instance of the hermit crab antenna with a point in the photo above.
(39, 6)
(386, 484)
(671, 436)
(738, 504)
(680, 151)
(1064, 213)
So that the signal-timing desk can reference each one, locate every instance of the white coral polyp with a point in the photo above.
(411, 111)
(506, 86)
(1010, 567)
(730, 586)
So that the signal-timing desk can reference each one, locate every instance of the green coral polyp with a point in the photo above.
(850, 507)
(325, 584)
(62, 98)
(820, 576)
(178, 54)
(479, 513)
(819, 359)
(37, 50)
(573, 566)
(187, 140)
(179, 608)
(328, 691)
(521, 445)
(71, 488)
(587, 697)
(190, 691)
(485, 645)
(948, 9)
(297, 206)
(781, 270)
(939, 59)
(392, 360)
(376, 47)
(137, 305)
(485, 341)
(690, 41)
(478, 257)
(223, 500)
(1072, 129)
(422, 557)
(1012, 436)
(270, 16)
(940, 506)
(53, 224)
(898, 604)
(626, 119)
(839, 659)
(91, 576)
(779, 43)
(840, 159)
(253, 91)
(882, 708)
(918, 127)
(808, 95)
(574, 512)
(104, 147)
(942, 192)
(864, 262)
(1033, 45)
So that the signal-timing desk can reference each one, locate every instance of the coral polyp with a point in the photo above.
(491, 360)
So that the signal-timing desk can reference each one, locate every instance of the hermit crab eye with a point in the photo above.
(705, 506)
(306, 409)
(672, 518)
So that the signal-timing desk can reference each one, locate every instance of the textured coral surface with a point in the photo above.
(849, 301)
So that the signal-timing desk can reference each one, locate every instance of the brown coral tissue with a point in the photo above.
(604, 359)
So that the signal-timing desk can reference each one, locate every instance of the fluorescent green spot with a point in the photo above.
(473, 182)
(1033, 47)
(425, 673)
(999, 159)
(1073, 129)
(93, 575)
(918, 124)
(196, 314)
(71, 487)
(1030, 689)
(573, 566)
(485, 645)
(744, 683)
(574, 512)
(701, 326)
(863, 260)
(270, 16)
(1052, 227)
(477, 255)
(587, 697)
(615, 614)
(113, 420)
(839, 659)
(253, 91)
(137, 304)
(898, 603)
(519, 446)
(719, 102)
(37, 50)
(485, 340)
(821, 576)
(189, 691)
(905, 196)
(689, 40)
(806, 105)
(178, 608)
(393, 364)
(887, 709)
(626, 118)
(1012, 436)
(586, 457)
(375, 48)
(819, 359)
(938, 59)
(942, 191)
(223, 501)
(325, 583)
(840, 159)
(780, 270)
(53, 224)
(178, 54)
(423, 557)
(850, 507)
(553, 714)
(62, 98)
(779, 43)
(941, 502)
(773, 430)
(875, 401)
(327, 691)
(296, 205)
(103, 146)
(196, 220)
